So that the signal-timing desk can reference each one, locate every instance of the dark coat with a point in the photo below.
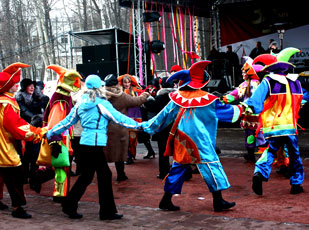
(155, 106)
(32, 107)
(118, 136)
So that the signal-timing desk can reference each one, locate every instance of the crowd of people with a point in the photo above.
(110, 116)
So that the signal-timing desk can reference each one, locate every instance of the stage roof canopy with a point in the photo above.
(103, 36)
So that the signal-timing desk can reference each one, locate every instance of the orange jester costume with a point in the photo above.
(12, 128)
(58, 108)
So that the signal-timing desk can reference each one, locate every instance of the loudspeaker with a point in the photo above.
(219, 85)
(104, 68)
(97, 54)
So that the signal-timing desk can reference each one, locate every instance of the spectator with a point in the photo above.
(32, 103)
(257, 50)
(274, 47)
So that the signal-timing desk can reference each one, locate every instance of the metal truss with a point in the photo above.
(139, 33)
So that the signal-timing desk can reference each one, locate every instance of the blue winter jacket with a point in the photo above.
(94, 118)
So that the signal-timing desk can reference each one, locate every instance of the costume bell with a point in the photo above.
(278, 99)
(192, 139)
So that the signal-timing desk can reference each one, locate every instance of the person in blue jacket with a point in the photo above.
(192, 138)
(94, 113)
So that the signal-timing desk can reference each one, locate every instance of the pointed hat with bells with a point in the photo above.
(195, 77)
(10, 76)
(69, 79)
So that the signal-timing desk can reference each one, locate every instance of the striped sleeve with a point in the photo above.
(110, 113)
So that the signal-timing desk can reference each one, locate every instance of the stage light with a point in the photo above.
(152, 17)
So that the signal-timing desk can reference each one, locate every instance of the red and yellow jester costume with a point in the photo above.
(12, 128)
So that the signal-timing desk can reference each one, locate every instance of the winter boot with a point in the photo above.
(257, 185)
(219, 203)
(166, 203)
(19, 212)
(296, 188)
(250, 157)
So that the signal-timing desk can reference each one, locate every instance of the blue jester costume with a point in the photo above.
(192, 139)
(278, 99)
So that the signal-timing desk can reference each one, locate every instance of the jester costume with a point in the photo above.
(12, 128)
(278, 99)
(249, 122)
(192, 139)
(58, 108)
(134, 113)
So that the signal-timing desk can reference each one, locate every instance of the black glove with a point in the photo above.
(56, 149)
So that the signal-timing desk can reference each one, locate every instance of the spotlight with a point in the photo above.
(152, 17)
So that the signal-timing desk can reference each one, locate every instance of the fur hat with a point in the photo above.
(25, 83)
(10, 76)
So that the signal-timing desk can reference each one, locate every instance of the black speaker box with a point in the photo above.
(104, 68)
(97, 54)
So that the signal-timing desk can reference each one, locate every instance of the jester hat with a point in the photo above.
(10, 76)
(277, 63)
(252, 69)
(69, 79)
(195, 77)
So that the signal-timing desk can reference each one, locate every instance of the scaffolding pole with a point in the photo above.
(139, 33)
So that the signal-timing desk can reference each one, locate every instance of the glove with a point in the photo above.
(150, 98)
(248, 111)
(49, 134)
(56, 149)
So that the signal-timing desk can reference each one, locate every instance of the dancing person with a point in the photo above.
(13, 128)
(58, 107)
(116, 149)
(278, 99)
(94, 113)
(192, 138)
(249, 122)
(130, 86)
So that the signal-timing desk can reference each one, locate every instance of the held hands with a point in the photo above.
(224, 99)
(246, 109)
(56, 149)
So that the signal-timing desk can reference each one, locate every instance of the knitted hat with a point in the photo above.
(10, 76)
(175, 68)
(94, 81)
(196, 77)
(111, 80)
(25, 83)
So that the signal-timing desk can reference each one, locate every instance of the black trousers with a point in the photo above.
(92, 160)
(29, 159)
(14, 181)
(164, 162)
